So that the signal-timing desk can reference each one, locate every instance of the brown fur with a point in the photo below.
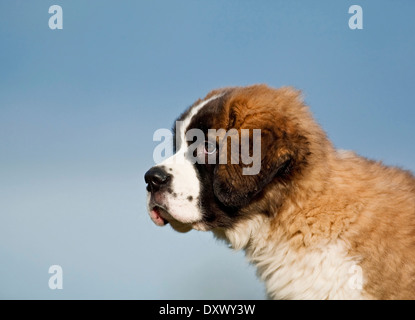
(315, 195)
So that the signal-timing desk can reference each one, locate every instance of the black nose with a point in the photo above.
(155, 178)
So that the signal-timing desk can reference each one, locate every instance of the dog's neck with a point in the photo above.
(294, 273)
(293, 263)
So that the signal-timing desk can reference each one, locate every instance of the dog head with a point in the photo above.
(231, 149)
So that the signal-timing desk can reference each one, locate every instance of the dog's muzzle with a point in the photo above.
(158, 180)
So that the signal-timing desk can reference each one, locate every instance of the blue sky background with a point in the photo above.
(79, 106)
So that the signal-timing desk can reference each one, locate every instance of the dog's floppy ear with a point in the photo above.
(280, 147)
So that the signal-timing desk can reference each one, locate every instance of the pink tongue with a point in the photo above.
(157, 219)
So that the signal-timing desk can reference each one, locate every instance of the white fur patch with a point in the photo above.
(183, 202)
(318, 272)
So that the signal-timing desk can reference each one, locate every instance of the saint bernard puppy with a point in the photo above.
(318, 223)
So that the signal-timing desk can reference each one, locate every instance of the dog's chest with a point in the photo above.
(324, 272)
(316, 272)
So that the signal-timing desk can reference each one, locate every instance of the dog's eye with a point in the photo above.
(210, 148)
